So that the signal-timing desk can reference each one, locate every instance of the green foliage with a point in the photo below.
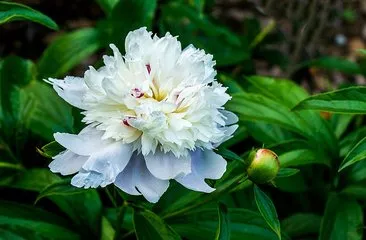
(343, 219)
(357, 153)
(25, 221)
(267, 210)
(322, 168)
(334, 63)
(67, 51)
(150, 226)
(223, 230)
(10, 11)
(349, 100)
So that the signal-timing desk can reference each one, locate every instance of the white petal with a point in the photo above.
(109, 162)
(208, 164)
(194, 182)
(71, 89)
(167, 166)
(138, 43)
(136, 179)
(205, 164)
(231, 118)
(229, 131)
(85, 143)
(88, 180)
(67, 163)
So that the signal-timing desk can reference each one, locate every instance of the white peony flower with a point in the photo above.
(153, 115)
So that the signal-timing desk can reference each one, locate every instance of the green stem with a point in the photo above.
(225, 188)
(111, 198)
(120, 219)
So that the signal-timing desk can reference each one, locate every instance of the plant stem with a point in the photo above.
(225, 188)
(120, 219)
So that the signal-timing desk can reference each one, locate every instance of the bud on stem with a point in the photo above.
(263, 166)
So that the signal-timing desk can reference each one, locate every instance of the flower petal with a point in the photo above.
(208, 164)
(136, 179)
(85, 143)
(167, 166)
(67, 163)
(205, 164)
(138, 44)
(109, 161)
(71, 89)
(231, 118)
(194, 182)
(88, 179)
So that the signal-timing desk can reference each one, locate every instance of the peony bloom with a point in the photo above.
(152, 115)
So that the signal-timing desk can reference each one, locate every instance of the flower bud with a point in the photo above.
(263, 166)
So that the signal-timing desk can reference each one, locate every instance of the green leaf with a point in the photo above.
(13, 166)
(343, 219)
(223, 230)
(47, 225)
(127, 16)
(194, 200)
(34, 179)
(357, 191)
(29, 104)
(10, 11)
(226, 153)
(108, 232)
(335, 64)
(185, 21)
(280, 90)
(228, 81)
(357, 153)
(244, 224)
(148, 225)
(63, 188)
(293, 184)
(107, 5)
(289, 94)
(287, 172)
(84, 208)
(256, 107)
(348, 100)
(51, 149)
(14, 72)
(301, 224)
(301, 157)
(340, 123)
(267, 210)
(350, 140)
(266, 133)
(67, 51)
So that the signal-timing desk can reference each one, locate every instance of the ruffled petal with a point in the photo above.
(138, 44)
(136, 179)
(167, 166)
(195, 182)
(231, 118)
(87, 179)
(85, 143)
(208, 164)
(106, 164)
(71, 89)
(205, 164)
(67, 163)
(192, 57)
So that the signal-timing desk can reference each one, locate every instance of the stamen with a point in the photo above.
(125, 122)
(137, 93)
(148, 67)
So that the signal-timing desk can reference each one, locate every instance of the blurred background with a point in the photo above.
(294, 32)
